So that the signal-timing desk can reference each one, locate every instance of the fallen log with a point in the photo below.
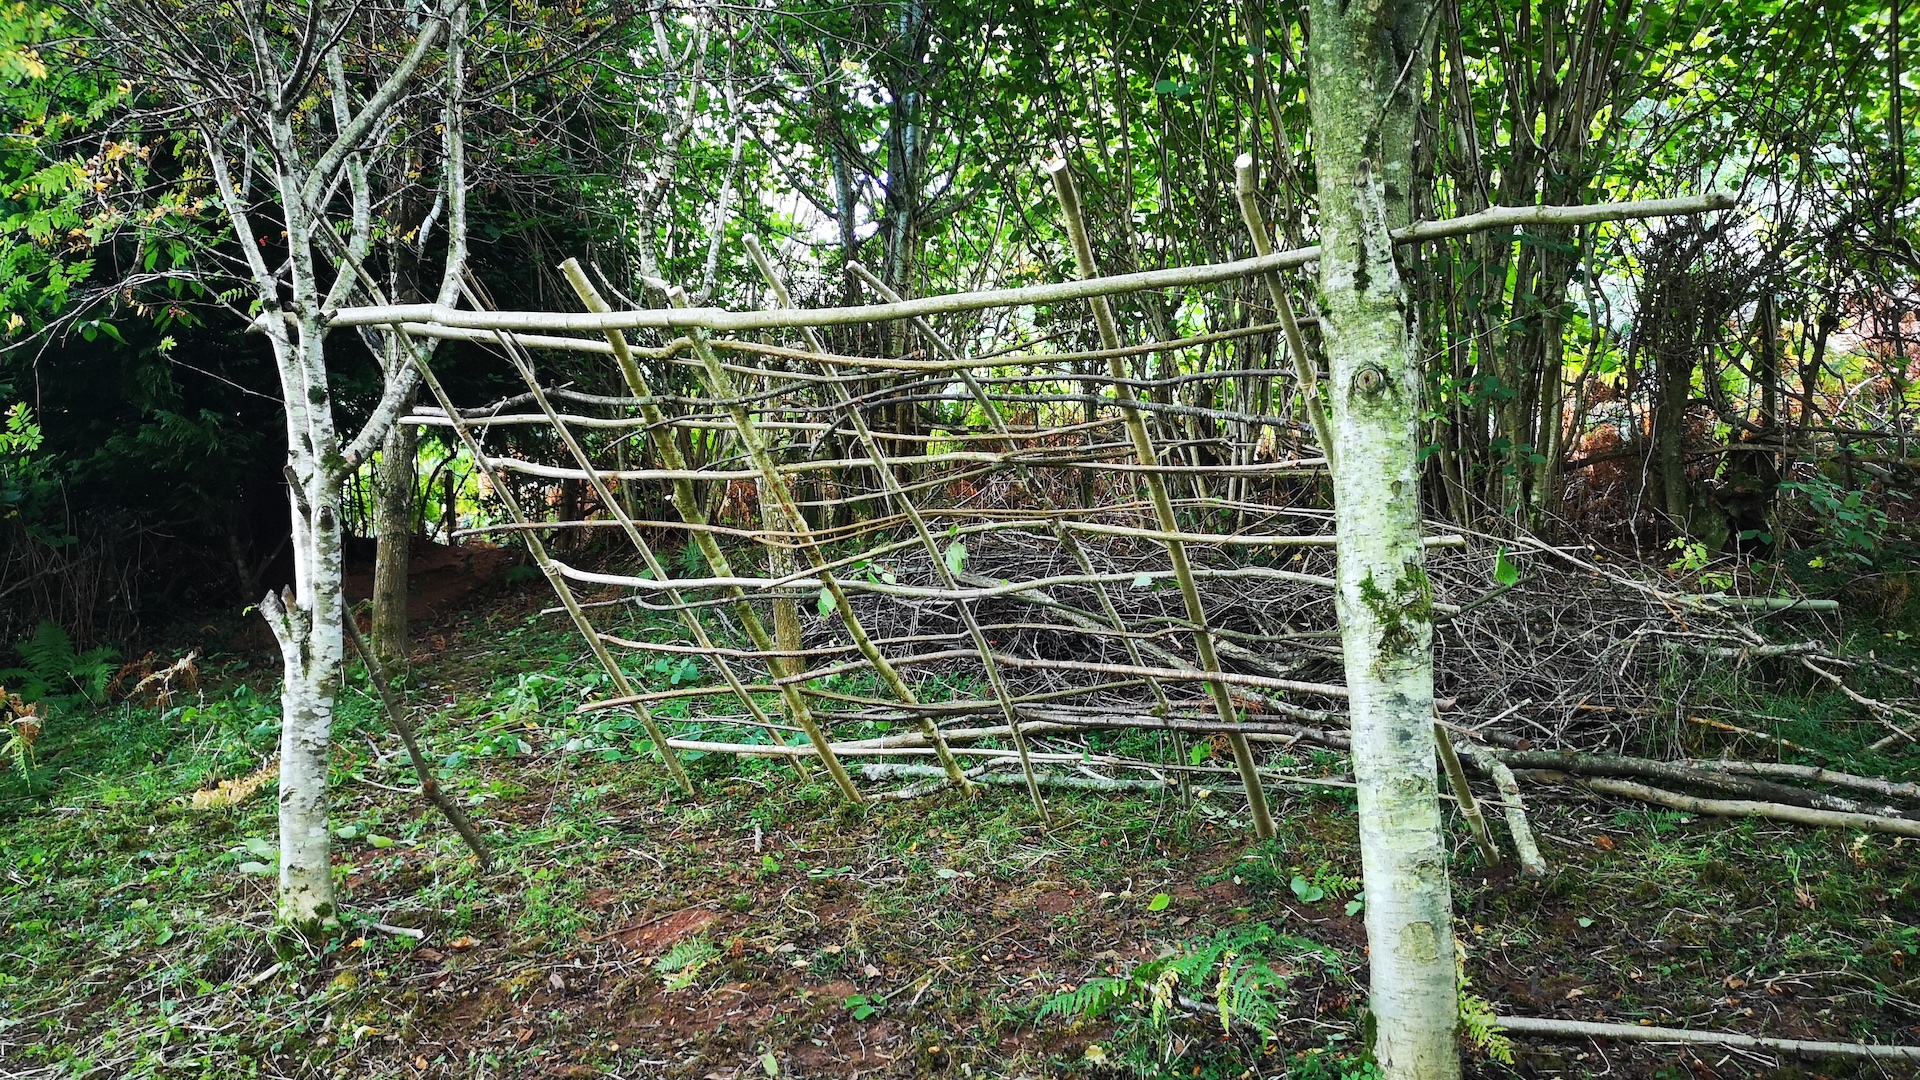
(1536, 1025)
(1799, 815)
(1578, 764)
(1810, 774)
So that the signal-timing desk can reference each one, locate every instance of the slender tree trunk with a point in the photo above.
(450, 498)
(1368, 61)
(1673, 367)
(306, 621)
(393, 525)
(308, 170)
(312, 670)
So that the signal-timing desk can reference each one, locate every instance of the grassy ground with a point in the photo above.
(766, 929)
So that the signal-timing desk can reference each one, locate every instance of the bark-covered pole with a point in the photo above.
(1367, 64)
(1069, 197)
(394, 477)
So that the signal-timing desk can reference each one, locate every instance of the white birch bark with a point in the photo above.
(1368, 61)
(304, 168)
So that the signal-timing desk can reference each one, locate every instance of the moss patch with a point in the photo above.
(1403, 611)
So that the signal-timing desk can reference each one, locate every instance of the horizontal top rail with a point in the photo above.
(720, 319)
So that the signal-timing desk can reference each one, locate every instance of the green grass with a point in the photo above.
(132, 942)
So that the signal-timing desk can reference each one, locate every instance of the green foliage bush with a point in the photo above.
(1244, 972)
(53, 671)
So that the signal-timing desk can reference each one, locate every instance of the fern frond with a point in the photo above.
(1482, 1029)
(49, 652)
(1089, 1001)
(92, 669)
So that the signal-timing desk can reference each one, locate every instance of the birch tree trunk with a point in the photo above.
(1368, 61)
(306, 622)
(309, 157)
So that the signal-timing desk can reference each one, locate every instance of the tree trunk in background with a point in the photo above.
(1668, 333)
(393, 526)
(1368, 62)
(780, 563)
(1673, 370)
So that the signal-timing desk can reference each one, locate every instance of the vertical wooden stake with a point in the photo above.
(1162, 505)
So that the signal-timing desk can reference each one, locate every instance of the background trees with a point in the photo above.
(905, 135)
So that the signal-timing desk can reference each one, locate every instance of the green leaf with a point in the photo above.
(1584, 922)
(1308, 892)
(251, 867)
(1159, 902)
(379, 841)
(261, 846)
(825, 603)
(1357, 905)
(1504, 572)
(1199, 752)
(956, 557)
(1141, 581)
(770, 1063)
(347, 832)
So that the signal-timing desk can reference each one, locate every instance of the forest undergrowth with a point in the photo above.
(768, 929)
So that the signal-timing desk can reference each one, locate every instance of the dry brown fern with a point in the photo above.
(230, 793)
(155, 685)
(22, 728)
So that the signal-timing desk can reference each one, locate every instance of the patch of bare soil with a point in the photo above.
(440, 579)
(654, 937)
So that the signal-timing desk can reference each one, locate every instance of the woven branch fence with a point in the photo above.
(989, 555)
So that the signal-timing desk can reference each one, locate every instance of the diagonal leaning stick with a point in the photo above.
(721, 387)
(622, 685)
(1157, 492)
(1305, 371)
(1063, 530)
(397, 716)
(688, 503)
